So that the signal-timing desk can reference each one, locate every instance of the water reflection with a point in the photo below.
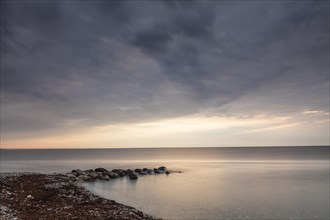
(218, 183)
(222, 191)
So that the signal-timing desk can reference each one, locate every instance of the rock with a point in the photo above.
(121, 174)
(132, 176)
(29, 197)
(85, 178)
(129, 171)
(137, 170)
(162, 169)
(112, 175)
(100, 173)
(71, 175)
(104, 178)
(93, 174)
(79, 172)
(156, 171)
(101, 170)
(104, 174)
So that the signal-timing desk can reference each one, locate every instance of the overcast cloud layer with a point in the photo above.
(74, 64)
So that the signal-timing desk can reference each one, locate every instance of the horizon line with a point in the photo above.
(102, 148)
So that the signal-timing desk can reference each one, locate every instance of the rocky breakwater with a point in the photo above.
(91, 175)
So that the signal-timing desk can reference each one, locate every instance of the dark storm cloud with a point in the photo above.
(68, 64)
(153, 41)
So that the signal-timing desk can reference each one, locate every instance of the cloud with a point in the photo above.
(67, 65)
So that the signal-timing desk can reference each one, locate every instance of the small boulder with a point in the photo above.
(100, 173)
(137, 170)
(70, 175)
(85, 178)
(167, 172)
(132, 176)
(162, 168)
(94, 175)
(102, 170)
(121, 174)
(79, 172)
(112, 175)
(156, 171)
(129, 171)
(104, 178)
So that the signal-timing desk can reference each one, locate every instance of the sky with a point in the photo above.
(85, 74)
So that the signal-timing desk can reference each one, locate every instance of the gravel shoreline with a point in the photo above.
(56, 196)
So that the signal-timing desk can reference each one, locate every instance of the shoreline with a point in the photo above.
(57, 196)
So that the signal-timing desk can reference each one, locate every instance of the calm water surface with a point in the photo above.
(216, 183)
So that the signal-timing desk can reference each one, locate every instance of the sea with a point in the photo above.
(214, 183)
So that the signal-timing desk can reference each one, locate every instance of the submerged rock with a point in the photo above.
(132, 176)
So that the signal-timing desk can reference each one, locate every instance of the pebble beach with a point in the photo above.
(56, 196)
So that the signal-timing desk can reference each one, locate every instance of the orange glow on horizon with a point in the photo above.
(190, 131)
